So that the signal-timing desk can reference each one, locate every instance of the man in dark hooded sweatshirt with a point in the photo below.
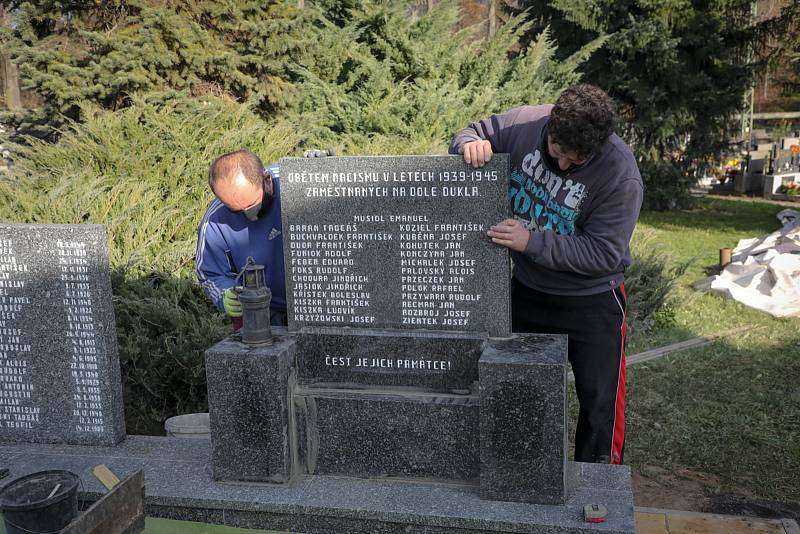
(575, 194)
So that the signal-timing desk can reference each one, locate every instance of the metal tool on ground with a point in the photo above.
(255, 297)
(693, 343)
(594, 513)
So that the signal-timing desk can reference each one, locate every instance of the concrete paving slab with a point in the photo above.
(657, 521)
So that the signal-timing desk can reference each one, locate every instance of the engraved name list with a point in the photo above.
(57, 338)
(393, 242)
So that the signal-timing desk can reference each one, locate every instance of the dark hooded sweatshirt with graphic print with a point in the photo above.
(581, 219)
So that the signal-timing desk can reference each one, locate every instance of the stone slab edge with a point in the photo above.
(178, 485)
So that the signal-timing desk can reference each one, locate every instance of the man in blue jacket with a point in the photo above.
(244, 220)
(575, 195)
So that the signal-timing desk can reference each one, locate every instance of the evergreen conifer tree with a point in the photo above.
(678, 69)
(393, 81)
(102, 52)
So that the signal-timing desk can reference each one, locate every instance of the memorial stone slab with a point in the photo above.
(59, 366)
(395, 242)
(389, 433)
(442, 361)
(179, 486)
(523, 421)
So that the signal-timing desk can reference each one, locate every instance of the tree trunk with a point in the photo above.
(10, 72)
(492, 29)
(11, 79)
(430, 5)
(301, 4)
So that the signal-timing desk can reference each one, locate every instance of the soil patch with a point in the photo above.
(694, 491)
(654, 487)
(738, 505)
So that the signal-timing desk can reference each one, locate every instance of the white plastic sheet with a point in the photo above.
(764, 272)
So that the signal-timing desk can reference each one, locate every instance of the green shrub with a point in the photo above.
(101, 52)
(649, 282)
(372, 77)
(163, 325)
(142, 173)
(666, 186)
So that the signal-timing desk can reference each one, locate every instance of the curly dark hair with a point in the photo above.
(582, 119)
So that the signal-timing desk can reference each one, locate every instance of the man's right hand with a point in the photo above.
(230, 301)
(477, 153)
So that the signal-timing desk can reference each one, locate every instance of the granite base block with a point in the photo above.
(441, 361)
(248, 402)
(179, 485)
(523, 425)
(387, 433)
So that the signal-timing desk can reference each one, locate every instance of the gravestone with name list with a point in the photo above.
(394, 292)
(395, 242)
(59, 367)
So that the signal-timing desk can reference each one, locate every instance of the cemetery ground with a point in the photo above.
(723, 419)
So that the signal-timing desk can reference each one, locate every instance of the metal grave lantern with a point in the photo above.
(255, 297)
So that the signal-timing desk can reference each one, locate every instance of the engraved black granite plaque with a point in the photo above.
(395, 242)
(59, 368)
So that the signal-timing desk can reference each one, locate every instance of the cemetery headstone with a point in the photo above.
(395, 242)
(59, 367)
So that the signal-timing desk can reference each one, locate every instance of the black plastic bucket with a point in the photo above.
(39, 503)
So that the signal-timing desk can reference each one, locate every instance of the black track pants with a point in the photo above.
(595, 325)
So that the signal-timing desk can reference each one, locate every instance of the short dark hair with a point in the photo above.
(229, 165)
(582, 119)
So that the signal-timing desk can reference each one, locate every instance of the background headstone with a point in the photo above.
(395, 242)
(59, 367)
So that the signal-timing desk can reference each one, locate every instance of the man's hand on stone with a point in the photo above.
(316, 153)
(230, 301)
(511, 234)
(477, 153)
